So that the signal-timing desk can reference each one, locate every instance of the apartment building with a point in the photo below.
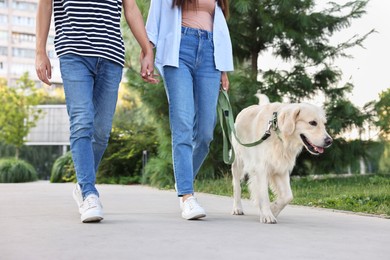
(17, 42)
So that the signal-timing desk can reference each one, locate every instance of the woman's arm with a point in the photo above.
(153, 21)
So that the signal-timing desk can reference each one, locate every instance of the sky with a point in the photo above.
(369, 69)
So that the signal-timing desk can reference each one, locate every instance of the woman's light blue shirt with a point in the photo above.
(163, 27)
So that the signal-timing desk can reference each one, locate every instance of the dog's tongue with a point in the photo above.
(319, 149)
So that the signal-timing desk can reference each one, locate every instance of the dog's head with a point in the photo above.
(305, 123)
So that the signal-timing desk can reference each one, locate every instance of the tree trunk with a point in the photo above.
(254, 57)
(17, 152)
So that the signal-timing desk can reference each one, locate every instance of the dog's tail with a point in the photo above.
(263, 99)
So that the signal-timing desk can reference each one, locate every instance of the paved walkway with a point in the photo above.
(40, 221)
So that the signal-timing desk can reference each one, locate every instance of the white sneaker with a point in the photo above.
(192, 210)
(91, 209)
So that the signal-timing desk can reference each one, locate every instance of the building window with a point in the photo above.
(3, 51)
(23, 53)
(3, 35)
(23, 38)
(24, 6)
(3, 3)
(23, 21)
(3, 19)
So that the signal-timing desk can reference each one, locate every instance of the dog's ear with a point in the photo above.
(287, 118)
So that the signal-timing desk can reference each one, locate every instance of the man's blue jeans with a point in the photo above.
(91, 90)
(192, 91)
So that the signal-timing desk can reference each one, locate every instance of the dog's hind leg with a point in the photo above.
(237, 172)
(282, 188)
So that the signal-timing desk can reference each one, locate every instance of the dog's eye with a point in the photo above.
(313, 123)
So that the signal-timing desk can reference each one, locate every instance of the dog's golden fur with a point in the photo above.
(270, 163)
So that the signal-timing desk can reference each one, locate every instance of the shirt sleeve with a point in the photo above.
(153, 21)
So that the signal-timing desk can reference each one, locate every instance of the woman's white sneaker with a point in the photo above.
(192, 210)
(91, 209)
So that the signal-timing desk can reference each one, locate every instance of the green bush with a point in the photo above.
(14, 171)
(40, 157)
(122, 160)
(159, 173)
(63, 169)
(121, 163)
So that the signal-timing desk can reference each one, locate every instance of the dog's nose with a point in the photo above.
(328, 141)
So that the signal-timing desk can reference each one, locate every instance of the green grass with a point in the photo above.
(368, 194)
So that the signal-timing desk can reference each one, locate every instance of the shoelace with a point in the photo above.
(192, 203)
(91, 202)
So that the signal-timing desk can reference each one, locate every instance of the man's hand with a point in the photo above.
(43, 68)
(147, 68)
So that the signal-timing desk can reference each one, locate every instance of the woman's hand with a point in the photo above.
(224, 81)
(147, 68)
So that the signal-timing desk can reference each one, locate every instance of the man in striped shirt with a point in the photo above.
(90, 47)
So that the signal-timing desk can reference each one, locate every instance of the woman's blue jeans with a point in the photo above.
(192, 91)
(91, 90)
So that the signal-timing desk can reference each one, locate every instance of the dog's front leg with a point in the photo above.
(284, 196)
(236, 172)
(266, 215)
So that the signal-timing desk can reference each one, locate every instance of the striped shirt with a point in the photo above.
(89, 28)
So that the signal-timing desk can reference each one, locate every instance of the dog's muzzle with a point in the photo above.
(313, 149)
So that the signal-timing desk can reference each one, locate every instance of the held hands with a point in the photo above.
(147, 68)
(43, 68)
(224, 81)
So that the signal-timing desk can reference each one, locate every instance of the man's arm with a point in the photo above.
(43, 19)
(136, 23)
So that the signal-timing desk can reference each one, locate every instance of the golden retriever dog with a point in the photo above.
(269, 164)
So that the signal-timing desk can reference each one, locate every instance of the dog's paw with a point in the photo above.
(268, 219)
(237, 211)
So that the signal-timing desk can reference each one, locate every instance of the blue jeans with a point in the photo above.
(91, 90)
(192, 91)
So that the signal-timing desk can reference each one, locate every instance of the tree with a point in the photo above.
(382, 108)
(18, 113)
(293, 28)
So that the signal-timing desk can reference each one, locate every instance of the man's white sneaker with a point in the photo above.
(192, 210)
(91, 209)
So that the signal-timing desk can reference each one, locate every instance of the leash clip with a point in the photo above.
(274, 120)
(272, 123)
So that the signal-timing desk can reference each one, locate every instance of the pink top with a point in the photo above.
(200, 18)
